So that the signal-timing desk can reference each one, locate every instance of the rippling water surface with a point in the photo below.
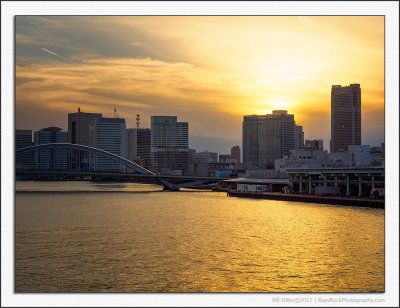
(124, 237)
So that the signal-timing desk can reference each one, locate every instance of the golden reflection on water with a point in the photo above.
(194, 242)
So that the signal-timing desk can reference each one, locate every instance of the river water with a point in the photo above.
(125, 237)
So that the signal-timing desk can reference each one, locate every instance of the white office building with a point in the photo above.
(169, 145)
(107, 134)
(310, 158)
(357, 156)
(360, 155)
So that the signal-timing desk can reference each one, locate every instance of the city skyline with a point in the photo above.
(209, 71)
(314, 222)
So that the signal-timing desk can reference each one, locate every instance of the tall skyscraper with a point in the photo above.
(267, 137)
(235, 153)
(78, 126)
(138, 144)
(345, 117)
(169, 145)
(298, 136)
(50, 159)
(107, 134)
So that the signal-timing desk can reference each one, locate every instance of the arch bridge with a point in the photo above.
(140, 174)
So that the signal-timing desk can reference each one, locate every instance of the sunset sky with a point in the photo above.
(207, 70)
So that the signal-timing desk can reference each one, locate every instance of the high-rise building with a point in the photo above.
(78, 133)
(131, 143)
(78, 126)
(314, 144)
(107, 134)
(169, 145)
(267, 137)
(138, 144)
(298, 136)
(23, 139)
(144, 145)
(206, 156)
(50, 159)
(345, 117)
(235, 153)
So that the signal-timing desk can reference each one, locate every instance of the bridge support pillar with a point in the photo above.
(171, 188)
(359, 186)
(301, 184)
(168, 186)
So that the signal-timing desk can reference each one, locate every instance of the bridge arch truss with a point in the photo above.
(142, 174)
(90, 150)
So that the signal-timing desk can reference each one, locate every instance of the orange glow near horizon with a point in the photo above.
(208, 70)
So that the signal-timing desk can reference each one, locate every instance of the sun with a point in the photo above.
(269, 106)
(280, 105)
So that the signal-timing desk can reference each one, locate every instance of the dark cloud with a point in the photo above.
(77, 36)
(21, 80)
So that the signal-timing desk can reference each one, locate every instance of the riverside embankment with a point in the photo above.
(346, 201)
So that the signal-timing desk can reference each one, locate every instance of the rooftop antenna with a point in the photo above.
(137, 121)
(115, 113)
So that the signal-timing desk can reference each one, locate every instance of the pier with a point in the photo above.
(345, 201)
